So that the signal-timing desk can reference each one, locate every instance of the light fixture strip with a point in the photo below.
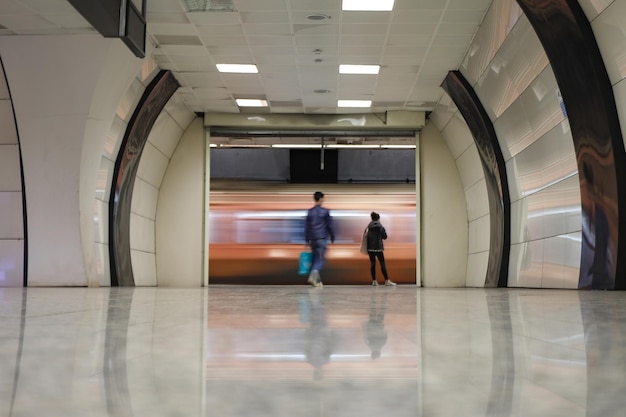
(297, 145)
(246, 102)
(238, 68)
(358, 69)
(354, 103)
(367, 5)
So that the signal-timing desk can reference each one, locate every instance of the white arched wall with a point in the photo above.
(62, 125)
(122, 114)
(11, 220)
(463, 150)
(157, 161)
(444, 244)
(180, 213)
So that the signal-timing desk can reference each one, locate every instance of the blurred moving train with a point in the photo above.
(256, 231)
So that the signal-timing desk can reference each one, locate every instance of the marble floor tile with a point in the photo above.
(239, 351)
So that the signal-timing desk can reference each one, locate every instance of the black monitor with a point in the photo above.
(116, 19)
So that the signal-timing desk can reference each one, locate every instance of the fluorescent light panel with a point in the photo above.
(247, 102)
(336, 146)
(238, 68)
(367, 5)
(296, 145)
(354, 103)
(358, 69)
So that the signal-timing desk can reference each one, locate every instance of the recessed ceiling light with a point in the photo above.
(354, 103)
(238, 68)
(368, 5)
(358, 69)
(318, 17)
(247, 102)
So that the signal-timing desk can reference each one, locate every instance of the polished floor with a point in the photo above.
(239, 351)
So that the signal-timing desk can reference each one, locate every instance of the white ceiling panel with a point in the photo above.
(469, 4)
(355, 51)
(418, 52)
(316, 41)
(214, 93)
(402, 5)
(14, 7)
(209, 31)
(366, 18)
(260, 5)
(265, 17)
(270, 41)
(224, 40)
(49, 6)
(463, 16)
(402, 60)
(213, 18)
(202, 79)
(276, 60)
(315, 5)
(316, 29)
(412, 17)
(240, 51)
(417, 44)
(262, 29)
(171, 29)
(363, 40)
(70, 21)
(409, 29)
(165, 6)
(414, 39)
(165, 17)
(364, 29)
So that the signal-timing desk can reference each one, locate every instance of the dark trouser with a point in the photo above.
(383, 266)
(318, 247)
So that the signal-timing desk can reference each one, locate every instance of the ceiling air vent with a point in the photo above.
(210, 5)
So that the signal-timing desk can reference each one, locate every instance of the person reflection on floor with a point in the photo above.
(319, 338)
(374, 331)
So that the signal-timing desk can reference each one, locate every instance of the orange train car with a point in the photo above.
(256, 232)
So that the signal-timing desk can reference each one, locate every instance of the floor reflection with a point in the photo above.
(301, 351)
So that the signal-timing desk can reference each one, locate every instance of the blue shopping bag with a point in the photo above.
(306, 260)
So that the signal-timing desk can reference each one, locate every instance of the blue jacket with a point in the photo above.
(319, 224)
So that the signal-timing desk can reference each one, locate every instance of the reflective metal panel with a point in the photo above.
(608, 28)
(517, 63)
(587, 95)
(500, 18)
(530, 264)
(535, 113)
(494, 169)
(126, 166)
(553, 211)
(547, 161)
(593, 8)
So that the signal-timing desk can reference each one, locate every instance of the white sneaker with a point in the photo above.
(314, 278)
(388, 283)
(374, 283)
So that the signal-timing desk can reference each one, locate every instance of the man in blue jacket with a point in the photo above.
(317, 231)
